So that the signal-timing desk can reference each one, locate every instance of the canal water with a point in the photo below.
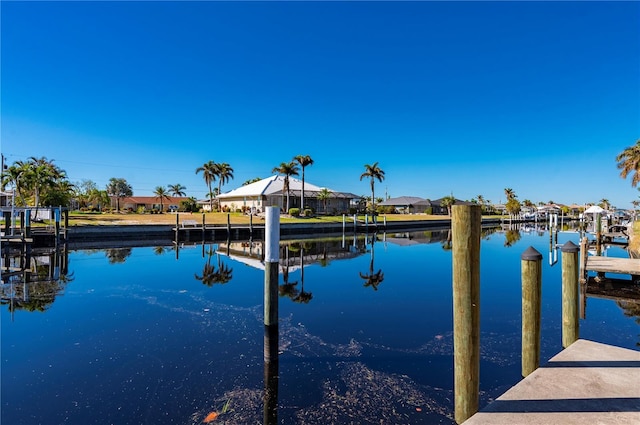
(166, 335)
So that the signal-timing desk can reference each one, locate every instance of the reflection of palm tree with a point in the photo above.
(372, 279)
(303, 297)
(511, 237)
(630, 309)
(287, 289)
(159, 250)
(210, 275)
(224, 273)
(118, 255)
(447, 245)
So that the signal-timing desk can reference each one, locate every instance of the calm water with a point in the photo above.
(145, 336)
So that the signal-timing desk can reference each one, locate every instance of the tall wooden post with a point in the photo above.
(270, 395)
(531, 270)
(250, 226)
(27, 223)
(272, 253)
(271, 258)
(228, 226)
(466, 226)
(204, 227)
(570, 321)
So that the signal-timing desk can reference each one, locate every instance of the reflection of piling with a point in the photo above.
(466, 226)
(582, 277)
(569, 293)
(270, 412)
(531, 264)
(272, 241)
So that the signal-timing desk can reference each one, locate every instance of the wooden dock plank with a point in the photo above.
(613, 265)
(587, 383)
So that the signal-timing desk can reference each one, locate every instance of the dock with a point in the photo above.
(587, 383)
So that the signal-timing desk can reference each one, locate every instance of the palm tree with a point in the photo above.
(303, 160)
(119, 188)
(481, 201)
(253, 180)
(447, 202)
(177, 189)
(509, 193)
(225, 173)
(161, 194)
(373, 172)
(209, 173)
(629, 162)
(98, 198)
(324, 196)
(604, 203)
(287, 169)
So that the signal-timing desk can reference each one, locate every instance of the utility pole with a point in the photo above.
(4, 167)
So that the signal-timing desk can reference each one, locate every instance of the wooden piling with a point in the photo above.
(27, 223)
(271, 376)
(466, 226)
(228, 225)
(570, 321)
(531, 271)
(204, 226)
(272, 254)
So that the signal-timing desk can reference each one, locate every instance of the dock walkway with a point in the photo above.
(587, 383)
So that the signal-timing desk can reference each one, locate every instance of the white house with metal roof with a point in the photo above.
(256, 196)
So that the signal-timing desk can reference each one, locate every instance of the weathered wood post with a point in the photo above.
(27, 223)
(582, 277)
(22, 230)
(271, 258)
(250, 226)
(204, 227)
(466, 226)
(228, 226)
(344, 223)
(355, 222)
(531, 270)
(56, 214)
(270, 395)
(570, 321)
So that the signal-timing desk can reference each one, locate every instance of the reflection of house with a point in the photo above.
(314, 252)
(415, 238)
(270, 192)
(134, 203)
(408, 204)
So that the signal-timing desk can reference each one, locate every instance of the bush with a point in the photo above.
(308, 212)
(294, 212)
(353, 210)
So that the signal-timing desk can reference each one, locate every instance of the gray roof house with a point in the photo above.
(270, 192)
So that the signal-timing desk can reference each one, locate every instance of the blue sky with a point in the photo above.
(466, 98)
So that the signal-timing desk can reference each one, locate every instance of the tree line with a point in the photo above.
(40, 182)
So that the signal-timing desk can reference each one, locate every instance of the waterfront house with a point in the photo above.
(408, 204)
(256, 196)
(148, 203)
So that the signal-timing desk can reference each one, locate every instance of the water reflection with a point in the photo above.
(33, 281)
(372, 279)
(117, 255)
(173, 347)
